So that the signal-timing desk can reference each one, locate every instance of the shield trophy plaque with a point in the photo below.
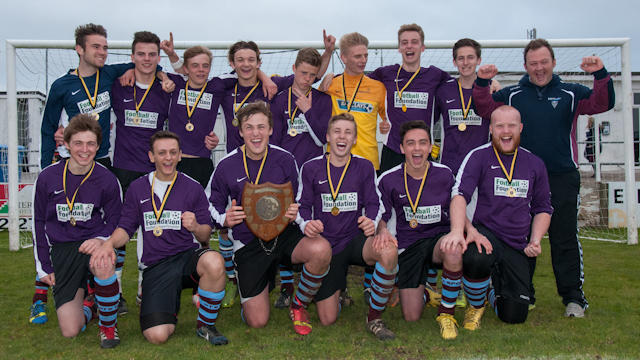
(265, 206)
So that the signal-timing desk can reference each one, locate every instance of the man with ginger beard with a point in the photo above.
(512, 214)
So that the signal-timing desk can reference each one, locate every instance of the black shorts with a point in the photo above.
(71, 269)
(126, 177)
(389, 159)
(414, 262)
(510, 274)
(255, 269)
(199, 169)
(336, 279)
(162, 284)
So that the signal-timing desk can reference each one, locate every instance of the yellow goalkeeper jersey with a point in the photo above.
(368, 103)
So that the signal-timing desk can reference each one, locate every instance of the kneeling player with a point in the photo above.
(172, 210)
(512, 188)
(335, 189)
(77, 204)
(418, 190)
(256, 261)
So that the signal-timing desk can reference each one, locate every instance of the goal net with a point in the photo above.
(604, 211)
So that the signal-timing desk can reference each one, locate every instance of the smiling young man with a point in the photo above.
(507, 223)
(335, 191)
(172, 211)
(418, 191)
(257, 261)
(76, 206)
(550, 108)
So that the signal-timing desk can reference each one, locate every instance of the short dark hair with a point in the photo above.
(241, 45)
(414, 124)
(81, 123)
(537, 44)
(83, 31)
(163, 134)
(467, 42)
(343, 116)
(145, 37)
(310, 56)
(258, 107)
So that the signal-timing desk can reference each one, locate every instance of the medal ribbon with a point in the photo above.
(166, 196)
(414, 206)
(246, 169)
(292, 116)
(465, 110)
(236, 107)
(138, 106)
(64, 185)
(93, 99)
(186, 98)
(334, 193)
(504, 170)
(344, 91)
(407, 84)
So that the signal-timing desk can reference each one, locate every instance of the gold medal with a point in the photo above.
(235, 122)
(355, 92)
(157, 231)
(96, 116)
(92, 99)
(335, 211)
(404, 108)
(72, 221)
(237, 107)
(462, 126)
(292, 115)
(413, 223)
(465, 109)
(70, 203)
(511, 192)
(136, 120)
(293, 132)
(414, 205)
(190, 112)
(189, 127)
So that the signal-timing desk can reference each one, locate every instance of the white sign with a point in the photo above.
(617, 208)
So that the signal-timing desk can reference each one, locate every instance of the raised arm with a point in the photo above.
(485, 102)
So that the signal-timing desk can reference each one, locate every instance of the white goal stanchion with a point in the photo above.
(32, 65)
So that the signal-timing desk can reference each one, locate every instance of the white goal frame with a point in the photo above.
(626, 96)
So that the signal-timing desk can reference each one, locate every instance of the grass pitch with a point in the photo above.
(611, 328)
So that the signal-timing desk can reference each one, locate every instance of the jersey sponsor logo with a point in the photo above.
(501, 187)
(298, 123)
(424, 214)
(344, 202)
(148, 120)
(412, 100)
(554, 101)
(170, 220)
(358, 107)
(75, 92)
(103, 102)
(81, 212)
(204, 103)
(456, 117)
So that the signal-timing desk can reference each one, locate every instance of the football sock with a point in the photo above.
(120, 252)
(381, 287)
(307, 288)
(226, 250)
(476, 290)
(108, 297)
(286, 279)
(368, 274)
(450, 288)
(41, 291)
(209, 307)
(432, 278)
(493, 300)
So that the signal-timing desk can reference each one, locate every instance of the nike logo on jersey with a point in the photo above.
(493, 167)
(127, 100)
(402, 196)
(322, 182)
(144, 201)
(75, 92)
(241, 179)
(449, 101)
(397, 80)
(58, 192)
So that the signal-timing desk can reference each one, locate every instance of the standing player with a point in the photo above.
(76, 206)
(172, 211)
(509, 219)
(355, 93)
(256, 261)
(550, 110)
(418, 190)
(140, 110)
(335, 191)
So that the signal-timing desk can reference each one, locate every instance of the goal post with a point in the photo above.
(50, 58)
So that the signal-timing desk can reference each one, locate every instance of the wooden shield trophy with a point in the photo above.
(265, 206)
